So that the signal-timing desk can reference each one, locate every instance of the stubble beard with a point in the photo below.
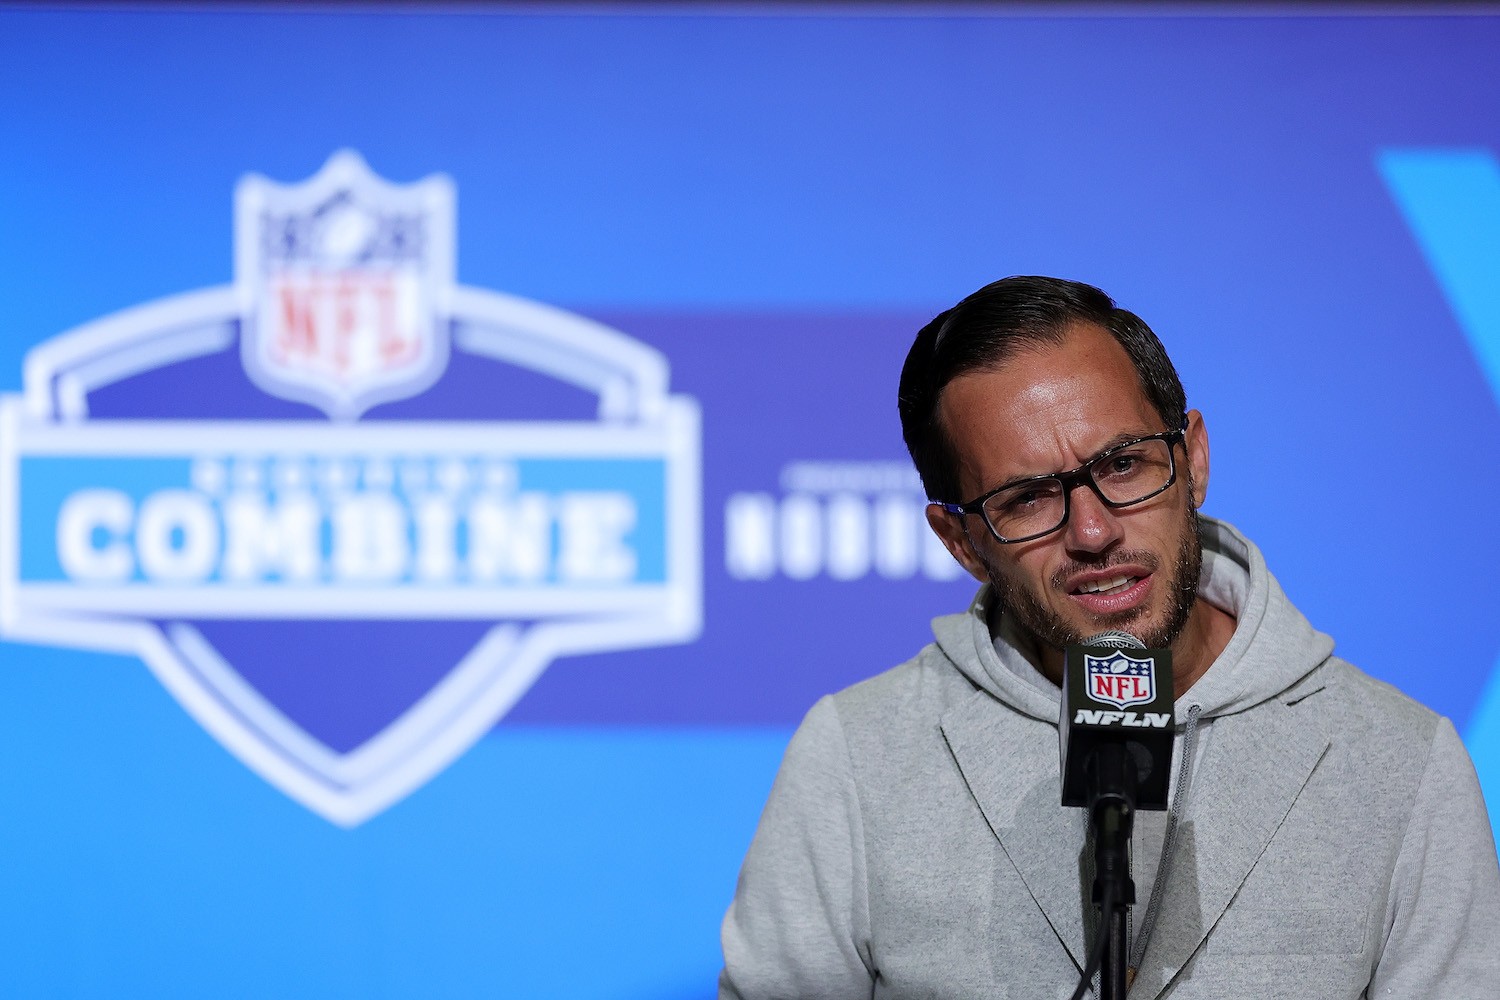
(1034, 616)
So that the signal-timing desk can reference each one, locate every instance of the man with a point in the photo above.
(1327, 838)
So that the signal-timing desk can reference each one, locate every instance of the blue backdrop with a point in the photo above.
(1305, 208)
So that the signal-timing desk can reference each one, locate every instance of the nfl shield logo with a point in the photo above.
(1120, 680)
(343, 282)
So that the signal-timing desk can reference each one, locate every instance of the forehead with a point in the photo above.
(1046, 408)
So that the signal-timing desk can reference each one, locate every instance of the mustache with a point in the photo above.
(1138, 557)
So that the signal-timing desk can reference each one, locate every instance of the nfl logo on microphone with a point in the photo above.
(1119, 680)
(345, 509)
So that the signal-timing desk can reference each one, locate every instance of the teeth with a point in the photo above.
(1114, 585)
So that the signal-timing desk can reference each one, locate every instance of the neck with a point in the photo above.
(1207, 632)
(1197, 646)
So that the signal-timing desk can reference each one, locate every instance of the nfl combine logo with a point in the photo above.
(296, 500)
(1119, 680)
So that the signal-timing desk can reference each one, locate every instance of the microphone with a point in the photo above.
(1115, 736)
(1116, 693)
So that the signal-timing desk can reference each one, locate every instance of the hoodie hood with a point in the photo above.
(1273, 646)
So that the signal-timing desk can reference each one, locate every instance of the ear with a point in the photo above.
(1195, 440)
(950, 528)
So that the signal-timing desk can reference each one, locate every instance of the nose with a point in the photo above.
(1092, 527)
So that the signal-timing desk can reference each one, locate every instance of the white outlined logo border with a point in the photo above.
(630, 380)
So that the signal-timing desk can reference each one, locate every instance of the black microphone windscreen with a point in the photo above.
(1115, 639)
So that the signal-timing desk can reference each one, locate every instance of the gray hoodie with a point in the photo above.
(1330, 841)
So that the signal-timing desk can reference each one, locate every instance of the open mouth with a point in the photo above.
(1113, 593)
(1109, 587)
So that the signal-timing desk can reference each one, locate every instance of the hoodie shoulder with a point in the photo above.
(1381, 739)
(916, 691)
(1376, 703)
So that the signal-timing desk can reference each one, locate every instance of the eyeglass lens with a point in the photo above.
(1122, 477)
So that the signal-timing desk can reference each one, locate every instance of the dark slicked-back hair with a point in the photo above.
(984, 330)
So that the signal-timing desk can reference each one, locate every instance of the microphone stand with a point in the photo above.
(1112, 784)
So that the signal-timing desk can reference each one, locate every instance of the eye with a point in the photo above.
(1026, 497)
(1129, 462)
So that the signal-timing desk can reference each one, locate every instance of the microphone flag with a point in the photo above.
(1122, 696)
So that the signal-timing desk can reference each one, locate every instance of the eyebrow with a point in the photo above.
(1113, 443)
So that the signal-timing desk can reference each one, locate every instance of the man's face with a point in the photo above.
(1050, 409)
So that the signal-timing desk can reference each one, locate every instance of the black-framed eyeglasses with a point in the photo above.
(1127, 474)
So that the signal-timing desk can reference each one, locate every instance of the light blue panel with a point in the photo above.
(1483, 739)
(644, 479)
(142, 860)
(47, 482)
(1451, 200)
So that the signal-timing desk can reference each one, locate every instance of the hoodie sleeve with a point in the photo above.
(798, 926)
(1443, 912)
